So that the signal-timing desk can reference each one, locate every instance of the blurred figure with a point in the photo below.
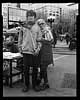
(10, 46)
(46, 52)
(67, 38)
(73, 41)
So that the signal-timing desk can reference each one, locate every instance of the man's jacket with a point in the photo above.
(27, 37)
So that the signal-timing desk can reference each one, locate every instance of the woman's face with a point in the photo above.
(42, 25)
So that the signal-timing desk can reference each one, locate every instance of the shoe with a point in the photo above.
(44, 86)
(25, 89)
(37, 88)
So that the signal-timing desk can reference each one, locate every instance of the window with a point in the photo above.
(16, 14)
(57, 12)
(57, 15)
(50, 14)
(53, 14)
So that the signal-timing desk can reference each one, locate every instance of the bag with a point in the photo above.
(55, 76)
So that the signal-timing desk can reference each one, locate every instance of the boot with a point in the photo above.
(25, 89)
(37, 88)
(44, 86)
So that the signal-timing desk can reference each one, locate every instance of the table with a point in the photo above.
(10, 57)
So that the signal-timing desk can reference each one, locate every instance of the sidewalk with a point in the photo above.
(62, 48)
(61, 44)
(63, 78)
(62, 81)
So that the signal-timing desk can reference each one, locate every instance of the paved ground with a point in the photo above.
(62, 48)
(62, 77)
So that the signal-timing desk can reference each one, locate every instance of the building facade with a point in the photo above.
(12, 14)
(46, 11)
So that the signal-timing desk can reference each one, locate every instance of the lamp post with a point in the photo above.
(8, 17)
(51, 20)
(60, 14)
(60, 20)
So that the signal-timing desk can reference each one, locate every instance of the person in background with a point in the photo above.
(10, 46)
(30, 48)
(55, 37)
(46, 52)
(67, 38)
(73, 41)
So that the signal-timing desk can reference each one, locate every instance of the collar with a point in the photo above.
(28, 25)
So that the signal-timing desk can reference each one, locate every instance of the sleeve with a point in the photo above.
(16, 49)
(39, 37)
(49, 35)
(20, 38)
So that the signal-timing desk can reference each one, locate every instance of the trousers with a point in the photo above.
(30, 60)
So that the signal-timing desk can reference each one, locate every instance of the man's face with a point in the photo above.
(9, 40)
(31, 19)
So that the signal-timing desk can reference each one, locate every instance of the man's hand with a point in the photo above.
(36, 51)
(20, 49)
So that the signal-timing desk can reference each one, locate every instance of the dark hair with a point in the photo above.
(30, 13)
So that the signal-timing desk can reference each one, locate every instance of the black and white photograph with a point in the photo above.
(39, 49)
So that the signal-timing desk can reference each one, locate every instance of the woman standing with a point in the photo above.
(46, 51)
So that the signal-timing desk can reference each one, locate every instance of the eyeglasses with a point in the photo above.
(41, 23)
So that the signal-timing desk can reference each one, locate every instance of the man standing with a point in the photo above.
(30, 48)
